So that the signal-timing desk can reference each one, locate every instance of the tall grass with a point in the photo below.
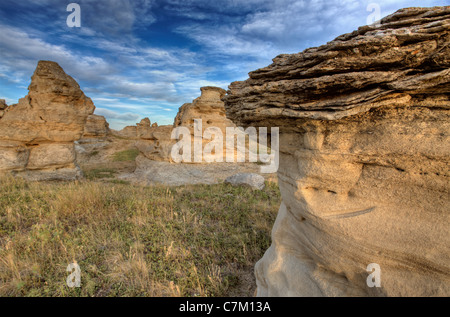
(132, 241)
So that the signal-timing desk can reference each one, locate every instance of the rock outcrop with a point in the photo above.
(364, 159)
(155, 142)
(255, 181)
(3, 107)
(153, 165)
(208, 107)
(129, 132)
(37, 135)
(94, 141)
(96, 127)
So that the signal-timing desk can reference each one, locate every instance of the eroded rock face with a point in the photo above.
(209, 107)
(37, 135)
(364, 162)
(129, 132)
(155, 141)
(96, 127)
(255, 181)
(3, 107)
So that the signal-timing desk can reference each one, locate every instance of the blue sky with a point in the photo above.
(145, 58)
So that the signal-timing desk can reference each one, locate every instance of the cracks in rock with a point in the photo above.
(350, 214)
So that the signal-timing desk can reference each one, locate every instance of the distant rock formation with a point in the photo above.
(3, 107)
(141, 130)
(155, 142)
(96, 127)
(208, 107)
(153, 164)
(364, 162)
(37, 135)
(129, 132)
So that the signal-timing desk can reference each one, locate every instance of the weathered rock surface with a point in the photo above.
(364, 159)
(96, 127)
(154, 164)
(129, 132)
(3, 106)
(208, 107)
(55, 109)
(155, 142)
(255, 181)
(95, 139)
(37, 135)
(151, 172)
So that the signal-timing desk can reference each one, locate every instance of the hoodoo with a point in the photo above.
(37, 135)
(364, 162)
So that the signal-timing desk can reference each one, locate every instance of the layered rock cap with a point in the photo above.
(404, 59)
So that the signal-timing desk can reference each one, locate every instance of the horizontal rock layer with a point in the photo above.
(406, 57)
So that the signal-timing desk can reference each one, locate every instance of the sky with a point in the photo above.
(146, 58)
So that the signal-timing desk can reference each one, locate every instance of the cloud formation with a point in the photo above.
(148, 57)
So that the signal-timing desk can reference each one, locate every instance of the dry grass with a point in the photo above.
(132, 241)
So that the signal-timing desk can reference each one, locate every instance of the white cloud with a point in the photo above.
(109, 114)
(20, 54)
(118, 64)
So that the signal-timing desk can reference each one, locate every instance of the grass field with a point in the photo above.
(132, 241)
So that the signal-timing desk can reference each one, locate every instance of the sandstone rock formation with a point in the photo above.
(37, 135)
(129, 132)
(96, 127)
(95, 140)
(155, 141)
(152, 172)
(364, 162)
(156, 144)
(209, 107)
(255, 181)
(3, 107)
(153, 165)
